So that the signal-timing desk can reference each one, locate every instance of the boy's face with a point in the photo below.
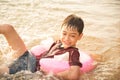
(69, 37)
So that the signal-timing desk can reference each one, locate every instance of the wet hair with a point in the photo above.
(74, 22)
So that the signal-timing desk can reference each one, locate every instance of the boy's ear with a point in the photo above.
(80, 36)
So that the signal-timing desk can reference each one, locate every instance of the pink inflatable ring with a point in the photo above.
(55, 66)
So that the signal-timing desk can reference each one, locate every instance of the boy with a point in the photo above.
(71, 32)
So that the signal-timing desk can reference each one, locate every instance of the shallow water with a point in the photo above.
(33, 18)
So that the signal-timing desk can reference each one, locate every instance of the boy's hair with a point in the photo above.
(74, 22)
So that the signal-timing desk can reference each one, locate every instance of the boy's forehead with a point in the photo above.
(68, 28)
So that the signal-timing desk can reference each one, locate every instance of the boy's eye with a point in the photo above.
(73, 36)
(64, 33)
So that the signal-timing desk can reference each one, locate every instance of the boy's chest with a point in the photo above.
(64, 56)
(60, 54)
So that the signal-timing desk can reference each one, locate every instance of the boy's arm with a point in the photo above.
(71, 74)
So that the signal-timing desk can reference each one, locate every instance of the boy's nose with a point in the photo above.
(67, 38)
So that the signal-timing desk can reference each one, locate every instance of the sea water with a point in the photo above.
(36, 20)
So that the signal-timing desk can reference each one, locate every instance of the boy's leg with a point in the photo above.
(4, 69)
(13, 39)
(24, 62)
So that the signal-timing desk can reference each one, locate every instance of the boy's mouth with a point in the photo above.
(66, 43)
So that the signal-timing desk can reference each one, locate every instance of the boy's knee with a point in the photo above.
(6, 28)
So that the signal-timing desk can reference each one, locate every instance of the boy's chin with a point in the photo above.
(66, 46)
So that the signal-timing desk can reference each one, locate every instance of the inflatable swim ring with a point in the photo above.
(55, 66)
